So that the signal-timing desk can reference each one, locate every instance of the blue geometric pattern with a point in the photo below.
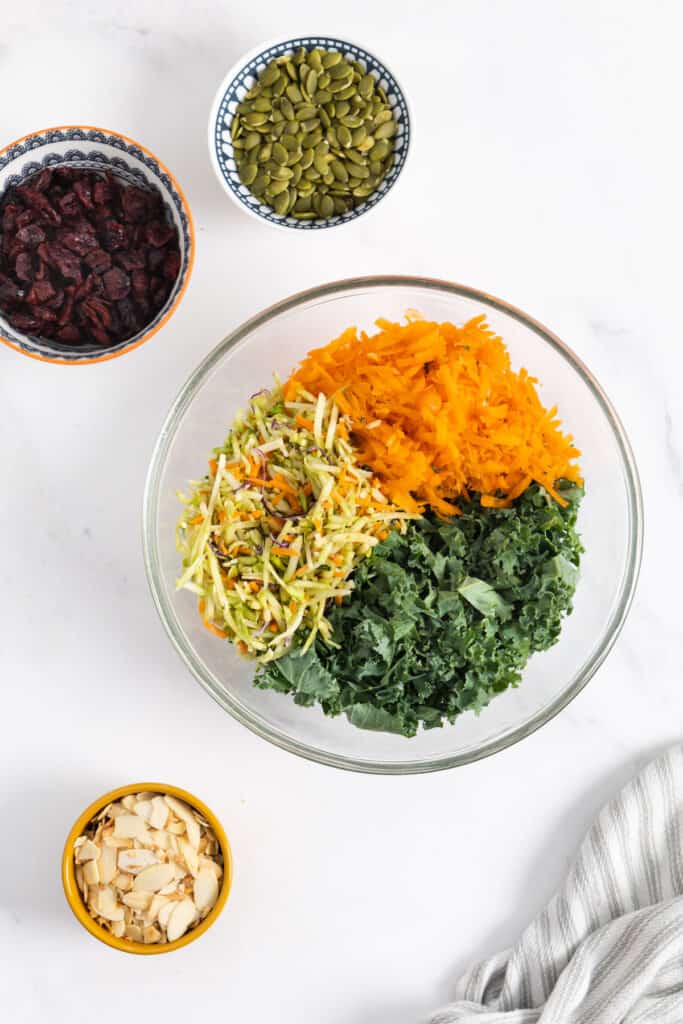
(246, 78)
(96, 160)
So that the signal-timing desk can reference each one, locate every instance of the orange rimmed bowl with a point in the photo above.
(97, 149)
(72, 893)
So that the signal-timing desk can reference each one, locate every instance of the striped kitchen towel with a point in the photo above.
(609, 947)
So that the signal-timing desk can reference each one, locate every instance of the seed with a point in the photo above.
(366, 86)
(331, 136)
(315, 60)
(331, 58)
(367, 144)
(351, 121)
(386, 130)
(321, 164)
(359, 170)
(306, 159)
(326, 206)
(262, 104)
(291, 71)
(358, 134)
(347, 92)
(344, 136)
(248, 173)
(294, 93)
(375, 166)
(270, 75)
(355, 158)
(322, 95)
(312, 174)
(299, 55)
(281, 174)
(339, 171)
(303, 204)
(235, 128)
(312, 139)
(311, 82)
(329, 178)
(287, 109)
(255, 118)
(280, 86)
(311, 124)
(244, 108)
(325, 118)
(276, 187)
(297, 171)
(277, 117)
(260, 184)
(280, 154)
(290, 142)
(305, 187)
(306, 215)
(339, 205)
(337, 86)
(340, 70)
(281, 202)
(341, 108)
(251, 140)
(380, 150)
(305, 110)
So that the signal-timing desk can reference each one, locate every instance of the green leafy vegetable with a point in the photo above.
(442, 617)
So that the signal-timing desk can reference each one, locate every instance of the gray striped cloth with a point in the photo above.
(609, 947)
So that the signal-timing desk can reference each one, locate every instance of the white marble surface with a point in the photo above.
(545, 170)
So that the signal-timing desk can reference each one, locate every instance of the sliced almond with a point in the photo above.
(118, 929)
(107, 905)
(134, 932)
(151, 934)
(134, 860)
(161, 839)
(106, 865)
(91, 874)
(144, 809)
(157, 904)
(159, 815)
(130, 826)
(129, 801)
(137, 900)
(211, 865)
(170, 889)
(205, 890)
(87, 851)
(165, 913)
(189, 855)
(154, 878)
(184, 913)
(117, 844)
(176, 828)
(123, 882)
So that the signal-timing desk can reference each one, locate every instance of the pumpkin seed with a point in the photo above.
(359, 170)
(304, 111)
(252, 139)
(290, 142)
(265, 152)
(262, 104)
(329, 178)
(276, 187)
(300, 55)
(351, 121)
(344, 136)
(281, 202)
(322, 95)
(235, 129)
(270, 75)
(367, 144)
(280, 86)
(380, 150)
(383, 117)
(386, 130)
(255, 118)
(375, 166)
(311, 124)
(346, 93)
(287, 109)
(356, 158)
(312, 139)
(339, 170)
(260, 184)
(248, 173)
(305, 187)
(339, 205)
(340, 70)
(306, 215)
(325, 118)
(291, 71)
(294, 93)
(297, 171)
(311, 82)
(277, 117)
(341, 108)
(324, 80)
(315, 60)
(330, 58)
(366, 86)
(306, 159)
(326, 206)
(280, 154)
(321, 164)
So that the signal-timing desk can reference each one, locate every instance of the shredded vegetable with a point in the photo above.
(273, 532)
(438, 413)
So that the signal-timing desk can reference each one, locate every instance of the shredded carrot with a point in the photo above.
(241, 647)
(338, 599)
(254, 586)
(285, 552)
(213, 466)
(303, 422)
(437, 412)
(292, 606)
(273, 627)
(201, 604)
(214, 629)
(196, 520)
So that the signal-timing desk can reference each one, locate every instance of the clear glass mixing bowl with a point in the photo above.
(610, 521)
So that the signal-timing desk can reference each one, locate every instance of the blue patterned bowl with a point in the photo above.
(243, 75)
(97, 149)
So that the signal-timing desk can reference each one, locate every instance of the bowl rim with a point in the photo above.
(232, 73)
(106, 356)
(260, 726)
(72, 892)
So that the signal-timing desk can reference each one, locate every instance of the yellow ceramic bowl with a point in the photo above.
(72, 892)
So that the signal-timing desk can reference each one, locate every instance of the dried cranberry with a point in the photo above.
(67, 308)
(97, 311)
(158, 233)
(68, 264)
(25, 322)
(132, 260)
(98, 260)
(116, 284)
(26, 217)
(10, 213)
(114, 235)
(126, 311)
(69, 205)
(40, 293)
(134, 204)
(155, 258)
(171, 266)
(80, 241)
(83, 190)
(10, 293)
(85, 288)
(102, 192)
(140, 282)
(41, 204)
(100, 336)
(69, 334)
(42, 181)
(23, 267)
(31, 236)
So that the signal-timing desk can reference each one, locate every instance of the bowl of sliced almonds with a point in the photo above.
(147, 868)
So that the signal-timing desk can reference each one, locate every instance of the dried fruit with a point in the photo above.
(85, 258)
(148, 867)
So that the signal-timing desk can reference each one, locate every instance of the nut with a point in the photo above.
(148, 867)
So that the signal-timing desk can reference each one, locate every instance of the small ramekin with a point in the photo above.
(73, 895)
(97, 149)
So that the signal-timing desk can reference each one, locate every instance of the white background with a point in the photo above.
(545, 170)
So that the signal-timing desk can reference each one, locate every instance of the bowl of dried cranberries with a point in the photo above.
(96, 244)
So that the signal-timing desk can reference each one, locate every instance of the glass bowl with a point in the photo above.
(610, 521)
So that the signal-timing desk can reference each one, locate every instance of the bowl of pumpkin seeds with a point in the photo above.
(309, 132)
